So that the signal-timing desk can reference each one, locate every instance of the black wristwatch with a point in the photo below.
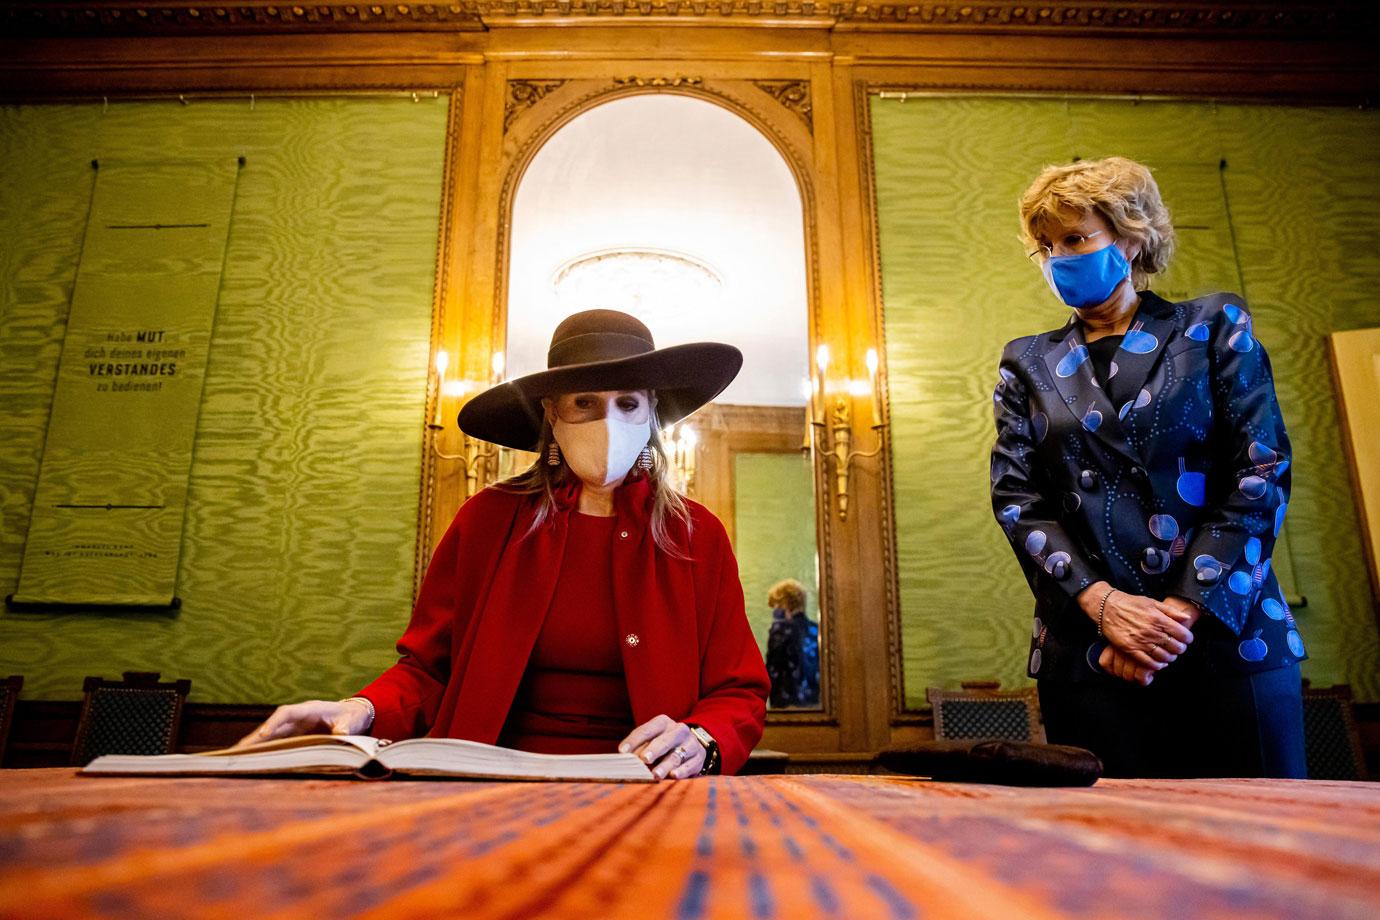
(711, 749)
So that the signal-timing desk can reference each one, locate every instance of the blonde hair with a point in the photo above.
(1121, 190)
(788, 594)
(668, 504)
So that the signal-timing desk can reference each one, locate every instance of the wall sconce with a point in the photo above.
(475, 455)
(834, 433)
(682, 446)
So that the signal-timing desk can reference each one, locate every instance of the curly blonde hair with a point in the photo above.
(1121, 190)
(788, 595)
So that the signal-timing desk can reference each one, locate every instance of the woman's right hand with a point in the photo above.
(1149, 632)
(344, 717)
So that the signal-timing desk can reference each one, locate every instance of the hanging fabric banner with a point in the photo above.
(107, 515)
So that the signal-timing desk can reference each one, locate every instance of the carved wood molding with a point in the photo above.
(446, 232)
(1301, 19)
(862, 114)
(793, 94)
(138, 17)
(523, 94)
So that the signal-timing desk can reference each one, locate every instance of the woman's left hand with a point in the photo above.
(667, 746)
(1118, 664)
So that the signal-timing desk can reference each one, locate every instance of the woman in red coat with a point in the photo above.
(583, 606)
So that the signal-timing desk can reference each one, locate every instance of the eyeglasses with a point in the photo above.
(574, 408)
(1074, 244)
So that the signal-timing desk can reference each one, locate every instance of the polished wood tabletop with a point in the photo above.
(722, 847)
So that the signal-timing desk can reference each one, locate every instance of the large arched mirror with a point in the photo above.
(680, 212)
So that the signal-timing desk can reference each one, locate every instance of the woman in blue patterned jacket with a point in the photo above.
(1141, 473)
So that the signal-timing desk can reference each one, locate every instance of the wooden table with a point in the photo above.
(771, 847)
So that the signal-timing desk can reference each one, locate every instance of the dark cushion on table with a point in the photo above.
(1006, 763)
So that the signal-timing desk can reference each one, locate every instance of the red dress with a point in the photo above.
(573, 698)
(686, 647)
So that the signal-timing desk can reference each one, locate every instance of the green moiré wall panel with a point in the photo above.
(1299, 186)
(296, 569)
(773, 531)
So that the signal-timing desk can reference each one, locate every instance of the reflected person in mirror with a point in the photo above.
(584, 606)
(1141, 474)
(792, 647)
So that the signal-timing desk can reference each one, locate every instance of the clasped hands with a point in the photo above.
(1144, 635)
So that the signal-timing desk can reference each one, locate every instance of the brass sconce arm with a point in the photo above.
(835, 435)
(837, 438)
(475, 456)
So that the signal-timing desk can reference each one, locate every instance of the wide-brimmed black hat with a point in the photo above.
(602, 350)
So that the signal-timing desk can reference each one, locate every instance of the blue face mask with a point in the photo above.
(1086, 280)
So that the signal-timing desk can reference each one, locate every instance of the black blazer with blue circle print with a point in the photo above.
(1181, 490)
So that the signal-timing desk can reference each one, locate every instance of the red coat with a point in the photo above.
(687, 651)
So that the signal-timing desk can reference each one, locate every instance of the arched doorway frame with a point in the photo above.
(529, 125)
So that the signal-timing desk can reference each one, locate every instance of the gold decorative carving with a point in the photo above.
(793, 94)
(523, 94)
(142, 18)
(1241, 17)
(657, 81)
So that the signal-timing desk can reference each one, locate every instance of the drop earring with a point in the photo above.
(644, 460)
(553, 454)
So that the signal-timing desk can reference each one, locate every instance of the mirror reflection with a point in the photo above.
(679, 212)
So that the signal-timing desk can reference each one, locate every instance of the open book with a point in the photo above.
(370, 758)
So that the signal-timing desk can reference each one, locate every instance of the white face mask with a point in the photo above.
(601, 452)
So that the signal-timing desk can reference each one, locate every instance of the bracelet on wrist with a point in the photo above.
(368, 704)
(1102, 610)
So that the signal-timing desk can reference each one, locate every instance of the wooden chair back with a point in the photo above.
(982, 711)
(136, 715)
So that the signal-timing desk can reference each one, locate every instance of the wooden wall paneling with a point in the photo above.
(570, 87)
(441, 287)
(598, 48)
(1355, 363)
(876, 641)
(86, 67)
(1306, 64)
(1275, 68)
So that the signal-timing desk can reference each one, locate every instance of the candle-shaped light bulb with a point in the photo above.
(821, 369)
(690, 440)
(872, 364)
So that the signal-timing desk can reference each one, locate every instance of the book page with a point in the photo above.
(456, 757)
(300, 754)
(362, 743)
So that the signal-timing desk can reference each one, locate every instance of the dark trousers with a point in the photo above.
(1193, 720)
